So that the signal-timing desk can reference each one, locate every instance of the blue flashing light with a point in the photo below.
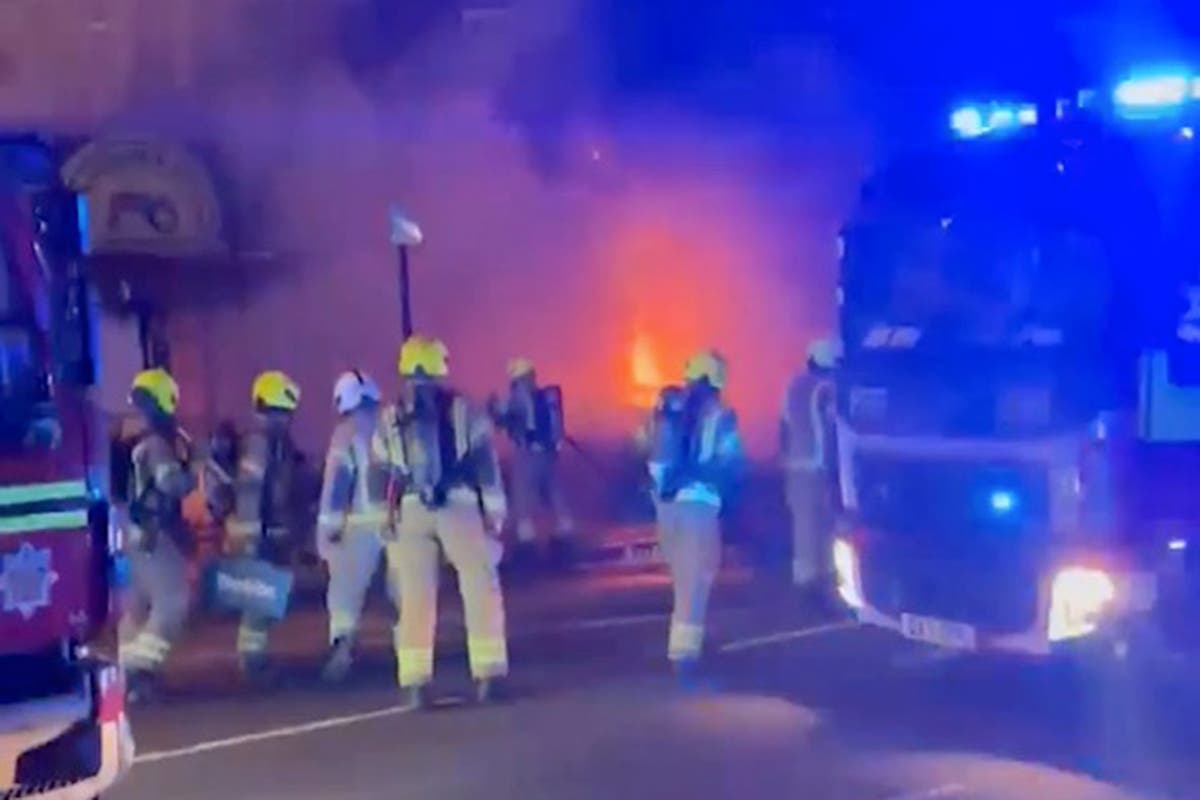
(1002, 501)
(1002, 117)
(972, 121)
(1147, 92)
(1177, 545)
(968, 122)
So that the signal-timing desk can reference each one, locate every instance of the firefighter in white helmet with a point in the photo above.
(807, 450)
(695, 452)
(353, 512)
(446, 492)
(150, 497)
(532, 417)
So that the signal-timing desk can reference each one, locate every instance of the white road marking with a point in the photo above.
(272, 733)
(785, 636)
(366, 716)
(601, 623)
(372, 638)
(948, 790)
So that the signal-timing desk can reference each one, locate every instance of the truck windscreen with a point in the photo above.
(973, 280)
(1025, 268)
(22, 377)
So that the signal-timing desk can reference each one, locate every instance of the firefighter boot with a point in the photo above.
(417, 698)
(492, 691)
(258, 671)
(339, 661)
(142, 687)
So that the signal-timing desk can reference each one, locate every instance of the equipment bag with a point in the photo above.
(670, 442)
(428, 437)
(675, 449)
(549, 426)
(248, 586)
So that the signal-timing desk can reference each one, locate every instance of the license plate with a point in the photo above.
(940, 632)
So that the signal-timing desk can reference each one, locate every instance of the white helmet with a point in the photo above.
(352, 389)
(825, 353)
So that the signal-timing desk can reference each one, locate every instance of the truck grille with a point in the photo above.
(951, 502)
(993, 596)
(953, 539)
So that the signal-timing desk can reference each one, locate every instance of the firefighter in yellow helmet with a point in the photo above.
(446, 491)
(264, 519)
(694, 454)
(807, 451)
(532, 416)
(149, 502)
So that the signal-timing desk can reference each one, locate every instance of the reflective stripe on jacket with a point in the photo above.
(250, 518)
(718, 446)
(354, 487)
(473, 434)
(806, 424)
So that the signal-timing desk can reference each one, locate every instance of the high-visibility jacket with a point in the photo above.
(264, 504)
(407, 449)
(532, 416)
(715, 452)
(159, 480)
(806, 429)
(354, 487)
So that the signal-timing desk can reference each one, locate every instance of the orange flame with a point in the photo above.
(645, 373)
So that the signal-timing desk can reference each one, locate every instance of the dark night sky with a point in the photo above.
(907, 62)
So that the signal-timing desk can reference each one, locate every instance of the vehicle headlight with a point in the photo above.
(845, 567)
(1079, 596)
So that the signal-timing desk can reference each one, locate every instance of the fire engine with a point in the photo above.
(63, 726)
(1018, 410)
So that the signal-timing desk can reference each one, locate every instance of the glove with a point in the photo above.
(328, 539)
(142, 539)
(495, 550)
(495, 511)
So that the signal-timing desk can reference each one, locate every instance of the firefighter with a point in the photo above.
(151, 498)
(263, 520)
(532, 417)
(353, 511)
(806, 444)
(446, 490)
(694, 454)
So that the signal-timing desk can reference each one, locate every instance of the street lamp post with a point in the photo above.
(405, 233)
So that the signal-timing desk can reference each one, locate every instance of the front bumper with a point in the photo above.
(1134, 595)
(1033, 642)
(72, 747)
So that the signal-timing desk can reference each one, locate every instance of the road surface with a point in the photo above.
(803, 705)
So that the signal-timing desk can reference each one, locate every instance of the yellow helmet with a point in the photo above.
(159, 386)
(424, 355)
(274, 389)
(707, 364)
(520, 367)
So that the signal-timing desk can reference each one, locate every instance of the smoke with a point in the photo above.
(563, 220)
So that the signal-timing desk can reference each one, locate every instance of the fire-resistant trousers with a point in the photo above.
(352, 563)
(535, 481)
(690, 536)
(459, 530)
(808, 500)
(156, 606)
